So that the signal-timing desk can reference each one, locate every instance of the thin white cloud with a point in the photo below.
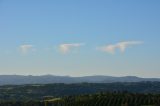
(67, 47)
(121, 46)
(24, 49)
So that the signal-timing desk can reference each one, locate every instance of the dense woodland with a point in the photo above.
(108, 99)
(99, 99)
(82, 94)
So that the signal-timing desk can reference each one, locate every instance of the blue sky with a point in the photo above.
(80, 37)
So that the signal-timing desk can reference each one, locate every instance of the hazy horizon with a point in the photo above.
(80, 38)
(73, 76)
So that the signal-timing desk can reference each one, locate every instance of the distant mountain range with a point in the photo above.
(46, 79)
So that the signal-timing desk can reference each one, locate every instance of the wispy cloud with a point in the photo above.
(67, 47)
(24, 49)
(121, 46)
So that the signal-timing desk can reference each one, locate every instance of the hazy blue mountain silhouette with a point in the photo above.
(45, 79)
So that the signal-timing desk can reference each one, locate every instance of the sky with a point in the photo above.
(80, 37)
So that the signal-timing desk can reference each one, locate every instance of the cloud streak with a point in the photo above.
(67, 47)
(24, 49)
(122, 46)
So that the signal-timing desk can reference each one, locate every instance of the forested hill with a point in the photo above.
(39, 91)
(47, 79)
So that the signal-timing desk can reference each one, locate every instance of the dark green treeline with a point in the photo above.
(99, 99)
